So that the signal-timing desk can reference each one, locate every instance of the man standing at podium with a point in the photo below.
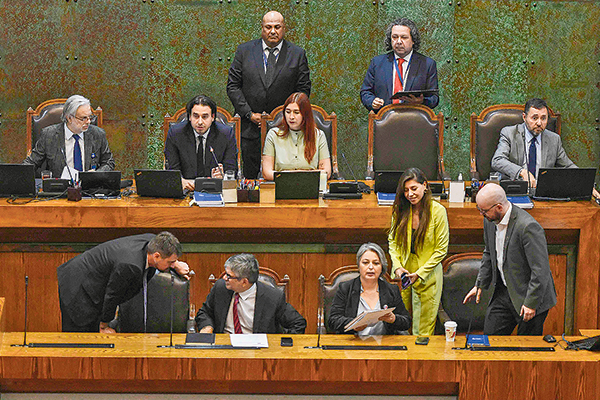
(401, 69)
(93, 284)
(515, 262)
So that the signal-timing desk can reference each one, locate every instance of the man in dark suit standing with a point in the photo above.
(93, 284)
(263, 74)
(189, 143)
(402, 69)
(83, 145)
(239, 303)
(515, 262)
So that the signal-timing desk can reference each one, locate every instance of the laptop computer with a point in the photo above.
(17, 180)
(297, 185)
(565, 184)
(387, 181)
(159, 183)
(100, 183)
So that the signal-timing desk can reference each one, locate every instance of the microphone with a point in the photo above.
(24, 330)
(362, 187)
(468, 332)
(215, 158)
(320, 314)
(73, 192)
(526, 164)
(172, 295)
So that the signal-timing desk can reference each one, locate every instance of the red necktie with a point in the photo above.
(397, 82)
(236, 318)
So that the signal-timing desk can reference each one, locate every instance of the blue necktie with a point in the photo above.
(77, 164)
(532, 162)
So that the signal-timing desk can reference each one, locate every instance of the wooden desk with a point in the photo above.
(137, 365)
(302, 239)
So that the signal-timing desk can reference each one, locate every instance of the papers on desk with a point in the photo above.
(521, 201)
(478, 340)
(367, 318)
(385, 199)
(249, 340)
(204, 199)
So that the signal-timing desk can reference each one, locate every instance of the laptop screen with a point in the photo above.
(17, 180)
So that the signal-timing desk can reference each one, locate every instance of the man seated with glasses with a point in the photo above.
(239, 303)
(74, 142)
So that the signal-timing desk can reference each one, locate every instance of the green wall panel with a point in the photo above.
(141, 60)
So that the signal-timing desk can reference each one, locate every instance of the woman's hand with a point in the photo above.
(390, 318)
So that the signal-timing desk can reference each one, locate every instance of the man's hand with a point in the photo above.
(207, 329)
(524, 173)
(182, 269)
(377, 103)
(475, 292)
(215, 173)
(595, 194)
(255, 118)
(104, 328)
(527, 313)
(188, 184)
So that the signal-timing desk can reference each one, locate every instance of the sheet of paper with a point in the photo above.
(249, 340)
(367, 318)
(74, 173)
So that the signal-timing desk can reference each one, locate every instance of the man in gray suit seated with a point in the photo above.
(75, 140)
(515, 263)
(525, 148)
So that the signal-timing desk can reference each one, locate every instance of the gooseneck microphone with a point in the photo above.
(526, 164)
(68, 168)
(215, 158)
(172, 295)
(24, 330)
(362, 187)
(320, 313)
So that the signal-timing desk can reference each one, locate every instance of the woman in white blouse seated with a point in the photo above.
(296, 144)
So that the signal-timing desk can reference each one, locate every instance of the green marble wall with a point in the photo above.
(142, 59)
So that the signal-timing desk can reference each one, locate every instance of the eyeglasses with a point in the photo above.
(90, 118)
(484, 212)
(231, 277)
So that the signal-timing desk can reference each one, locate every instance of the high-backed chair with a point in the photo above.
(403, 136)
(46, 114)
(324, 121)
(485, 133)
(460, 273)
(328, 288)
(223, 116)
(158, 318)
(265, 275)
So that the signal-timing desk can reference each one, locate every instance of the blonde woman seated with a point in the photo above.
(296, 144)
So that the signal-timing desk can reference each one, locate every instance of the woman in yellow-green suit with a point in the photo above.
(418, 241)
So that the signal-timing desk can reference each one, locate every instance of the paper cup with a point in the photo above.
(450, 328)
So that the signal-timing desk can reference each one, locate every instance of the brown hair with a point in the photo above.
(308, 124)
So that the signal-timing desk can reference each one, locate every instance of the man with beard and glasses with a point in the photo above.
(401, 69)
(515, 262)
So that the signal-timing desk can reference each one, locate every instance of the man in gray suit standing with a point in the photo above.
(515, 262)
(75, 140)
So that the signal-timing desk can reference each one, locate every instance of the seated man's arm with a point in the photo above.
(105, 160)
(206, 315)
(289, 319)
(172, 160)
(38, 153)
(562, 160)
(229, 160)
(501, 161)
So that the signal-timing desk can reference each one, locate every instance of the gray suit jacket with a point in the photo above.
(509, 157)
(526, 266)
(50, 147)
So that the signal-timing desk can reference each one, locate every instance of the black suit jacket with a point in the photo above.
(526, 266)
(246, 86)
(110, 274)
(271, 312)
(345, 306)
(50, 147)
(180, 149)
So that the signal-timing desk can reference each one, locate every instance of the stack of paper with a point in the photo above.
(204, 199)
(367, 318)
(521, 201)
(385, 199)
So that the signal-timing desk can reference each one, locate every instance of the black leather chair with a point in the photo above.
(223, 116)
(328, 288)
(485, 134)
(460, 273)
(403, 136)
(130, 317)
(265, 275)
(324, 121)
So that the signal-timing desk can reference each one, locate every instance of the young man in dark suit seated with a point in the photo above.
(189, 143)
(239, 303)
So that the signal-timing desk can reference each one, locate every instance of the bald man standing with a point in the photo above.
(515, 262)
(262, 75)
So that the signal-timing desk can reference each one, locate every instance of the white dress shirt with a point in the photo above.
(245, 309)
(70, 145)
(266, 53)
(538, 146)
(501, 228)
(205, 135)
(405, 66)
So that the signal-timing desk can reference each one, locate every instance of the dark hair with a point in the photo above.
(203, 101)
(535, 103)
(308, 123)
(401, 210)
(166, 244)
(414, 33)
(375, 248)
(244, 265)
